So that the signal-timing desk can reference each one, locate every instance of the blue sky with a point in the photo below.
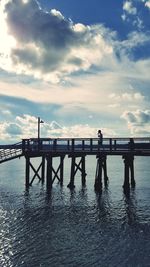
(79, 65)
(108, 12)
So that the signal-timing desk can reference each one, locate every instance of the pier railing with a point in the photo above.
(9, 152)
(87, 145)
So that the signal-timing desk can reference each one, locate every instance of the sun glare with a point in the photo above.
(25, 1)
(7, 41)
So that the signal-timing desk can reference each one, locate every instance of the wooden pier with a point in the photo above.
(76, 149)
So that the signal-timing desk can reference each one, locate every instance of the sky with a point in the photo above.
(78, 65)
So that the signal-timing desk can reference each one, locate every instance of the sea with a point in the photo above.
(79, 227)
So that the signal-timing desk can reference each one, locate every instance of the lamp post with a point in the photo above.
(39, 122)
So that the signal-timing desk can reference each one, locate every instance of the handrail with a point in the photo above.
(136, 145)
(8, 152)
(85, 144)
(88, 138)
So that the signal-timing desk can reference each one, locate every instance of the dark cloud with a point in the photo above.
(28, 23)
(44, 38)
(49, 44)
(50, 47)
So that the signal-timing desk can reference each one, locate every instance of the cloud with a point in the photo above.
(10, 132)
(26, 127)
(126, 97)
(138, 121)
(129, 8)
(55, 125)
(106, 95)
(147, 4)
(49, 47)
(135, 39)
(139, 116)
(122, 100)
(3, 133)
(6, 112)
(131, 14)
(46, 45)
(14, 129)
(134, 50)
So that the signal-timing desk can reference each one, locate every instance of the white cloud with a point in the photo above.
(138, 121)
(114, 105)
(27, 120)
(132, 15)
(89, 94)
(55, 125)
(26, 127)
(147, 4)
(126, 97)
(139, 23)
(123, 16)
(4, 136)
(6, 112)
(129, 8)
(134, 40)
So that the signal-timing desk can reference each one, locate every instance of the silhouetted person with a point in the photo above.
(131, 144)
(100, 136)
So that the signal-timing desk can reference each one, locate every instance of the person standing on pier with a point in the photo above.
(131, 144)
(100, 136)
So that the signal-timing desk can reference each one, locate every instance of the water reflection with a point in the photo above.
(130, 208)
(62, 224)
(6, 240)
(103, 208)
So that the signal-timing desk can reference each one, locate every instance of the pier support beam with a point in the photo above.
(53, 173)
(74, 168)
(49, 172)
(83, 173)
(128, 171)
(62, 169)
(27, 174)
(43, 169)
(29, 166)
(101, 167)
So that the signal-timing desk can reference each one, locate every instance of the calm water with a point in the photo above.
(78, 228)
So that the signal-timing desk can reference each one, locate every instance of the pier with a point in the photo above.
(46, 149)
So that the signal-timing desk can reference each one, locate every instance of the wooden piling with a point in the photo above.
(62, 169)
(80, 166)
(43, 169)
(72, 174)
(104, 165)
(27, 175)
(128, 171)
(101, 168)
(49, 172)
(83, 173)
(132, 172)
(98, 175)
